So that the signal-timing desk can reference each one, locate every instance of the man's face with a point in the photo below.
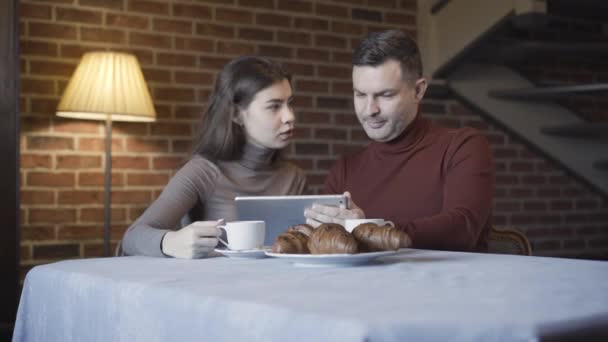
(385, 102)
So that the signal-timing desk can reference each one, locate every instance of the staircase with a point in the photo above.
(479, 65)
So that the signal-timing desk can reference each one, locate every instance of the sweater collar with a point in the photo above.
(256, 157)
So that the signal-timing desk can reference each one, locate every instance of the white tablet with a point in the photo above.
(281, 212)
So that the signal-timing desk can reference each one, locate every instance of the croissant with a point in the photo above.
(372, 237)
(331, 238)
(291, 242)
(302, 228)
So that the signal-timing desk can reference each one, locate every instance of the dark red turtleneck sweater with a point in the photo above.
(435, 183)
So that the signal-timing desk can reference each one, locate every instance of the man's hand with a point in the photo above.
(319, 214)
(193, 241)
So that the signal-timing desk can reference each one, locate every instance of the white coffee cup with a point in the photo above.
(351, 224)
(242, 235)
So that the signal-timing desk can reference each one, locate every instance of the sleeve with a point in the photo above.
(467, 198)
(334, 183)
(196, 179)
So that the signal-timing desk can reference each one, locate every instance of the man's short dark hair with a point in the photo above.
(379, 47)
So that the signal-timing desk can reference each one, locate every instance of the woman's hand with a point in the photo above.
(193, 241)
(319, 214)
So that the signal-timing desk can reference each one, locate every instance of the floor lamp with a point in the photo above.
(107, 86)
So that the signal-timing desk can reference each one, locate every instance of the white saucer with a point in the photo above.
(332, 260)
(247, 253)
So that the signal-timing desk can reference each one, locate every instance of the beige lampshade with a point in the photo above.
(107, 85)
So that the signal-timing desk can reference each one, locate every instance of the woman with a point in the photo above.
(248, 120)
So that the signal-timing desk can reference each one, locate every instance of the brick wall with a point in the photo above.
(181, 45)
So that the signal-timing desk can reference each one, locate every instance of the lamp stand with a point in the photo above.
(107, 214)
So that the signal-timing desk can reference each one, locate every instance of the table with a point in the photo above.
(415, 295)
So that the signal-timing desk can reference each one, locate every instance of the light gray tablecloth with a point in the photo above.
(416, 295)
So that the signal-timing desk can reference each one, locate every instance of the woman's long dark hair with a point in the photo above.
(220, 138)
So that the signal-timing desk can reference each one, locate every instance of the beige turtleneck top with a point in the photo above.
(205, 191)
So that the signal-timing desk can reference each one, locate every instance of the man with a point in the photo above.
(436, 184)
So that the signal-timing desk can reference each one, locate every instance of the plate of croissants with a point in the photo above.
(330, 244)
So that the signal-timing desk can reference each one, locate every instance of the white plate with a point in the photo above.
(248, 253)
(331, 260)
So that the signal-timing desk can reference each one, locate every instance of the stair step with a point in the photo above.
(601, 165)
(578, 130)
(509, 51)
(549, 92)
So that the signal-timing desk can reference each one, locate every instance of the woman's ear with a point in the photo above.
(237, 117)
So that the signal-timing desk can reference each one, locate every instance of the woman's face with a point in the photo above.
(269, 118)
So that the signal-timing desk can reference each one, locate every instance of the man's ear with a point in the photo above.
(420, 87)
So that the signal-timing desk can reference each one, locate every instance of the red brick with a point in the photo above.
(344, 149)
(400, 19)
(301, 101)
(346, 119)
(44, 106)
(298, 6)
(98, 179)
(312, 148)
(127, 21)
(228, 15)
(360, 136)
(576, 218)
(102, 35)
(523, 219)
(80, 232)
(75, 126)
(347, 28)
(598, 243)
(255, 34)
(151, 7)
(97, 215)
(409, 4)
(95, 250)
(257, 3)
(209, 62)
(192, 77)
(345, 88)
(46, 30)
(36, 11)
(174, 26)
(49, 143)
(130, 128)
(34, 197)
(300, 69)
(215, 31)
(76, 51)
(80, 197)
(333, 102)
(55, 215)
(147, 145)
(131, 197)
(367, 15)
(173, 59)
(194, 44)
(193, 11)
(233, 48)
(587, 204)
(574, 244)
(305, 164)
(61, 251)
(167, 163)
(547, 245)
(174, 94)
(509, 206)
(303, 133)
(313, 55)
(311, 24)
(150, 40)
(505, 152)
(139, 163)
(292, 37)
(330, 134)
(335, 72)
(275, 51)
(267, 19)
(78, 162)
(98, 144)
(550, 219)
(38, 48)
(109, 4)
(333, 12)
(172, 129)
(188, 112)
(34, 161)
(156, 75)
(37, 233)
(147, 179)
(561, 205)
(181, 146)
(33, 124)
(37, 86)
(77, 15)
(311, 86)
